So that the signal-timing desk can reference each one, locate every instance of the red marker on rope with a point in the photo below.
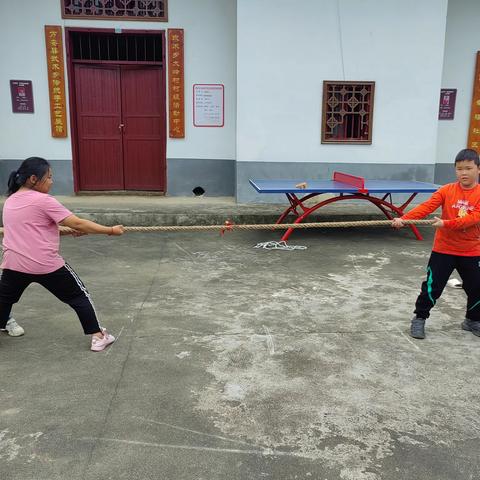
(228, 227)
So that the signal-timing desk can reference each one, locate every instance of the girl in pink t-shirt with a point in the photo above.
(31, 244)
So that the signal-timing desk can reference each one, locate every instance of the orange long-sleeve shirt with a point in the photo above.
(461, 216)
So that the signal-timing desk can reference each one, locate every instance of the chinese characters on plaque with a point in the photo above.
(446, 110)
(56, 80)
(176, 82)
(208, 105)
(474, 129)
(22, 96)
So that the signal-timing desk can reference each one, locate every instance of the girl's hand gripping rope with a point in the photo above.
(117, 230)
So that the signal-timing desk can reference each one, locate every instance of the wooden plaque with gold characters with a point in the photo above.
(56, 80)
(176, 83)
(474, 129)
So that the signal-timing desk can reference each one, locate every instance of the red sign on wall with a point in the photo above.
(22, 96)
(447, 103)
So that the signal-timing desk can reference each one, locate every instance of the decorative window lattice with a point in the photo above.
(151, 10)
(347, 112)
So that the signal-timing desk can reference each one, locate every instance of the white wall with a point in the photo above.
(23, 57)
(285, 50)
(210, 57)
(461, 45)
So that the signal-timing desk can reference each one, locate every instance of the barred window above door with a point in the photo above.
(151, 10)
(347, 112)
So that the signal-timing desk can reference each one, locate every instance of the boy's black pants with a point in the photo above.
(64, 283)
(440, 267)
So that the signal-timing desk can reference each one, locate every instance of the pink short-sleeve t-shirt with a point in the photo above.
(31, 240)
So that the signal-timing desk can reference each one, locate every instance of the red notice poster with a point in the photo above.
(22, 96)
(447, 103)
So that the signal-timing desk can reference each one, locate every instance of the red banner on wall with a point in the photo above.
(56, 80)
(22, 96)
(176, 83)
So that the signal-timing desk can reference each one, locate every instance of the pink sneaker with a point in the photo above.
(99, 344)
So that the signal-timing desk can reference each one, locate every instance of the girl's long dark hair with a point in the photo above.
(31, 166)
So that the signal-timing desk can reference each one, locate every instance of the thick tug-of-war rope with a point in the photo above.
(228, 226)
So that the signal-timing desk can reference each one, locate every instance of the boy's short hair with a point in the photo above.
(467, 154)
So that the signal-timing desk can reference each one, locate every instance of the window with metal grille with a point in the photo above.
(347, 112)
(151, 10)
(93, 46)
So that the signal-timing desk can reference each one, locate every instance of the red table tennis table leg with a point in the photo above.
(382, 203)
(295, 203)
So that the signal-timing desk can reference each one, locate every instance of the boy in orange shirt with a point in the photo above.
(456, 245)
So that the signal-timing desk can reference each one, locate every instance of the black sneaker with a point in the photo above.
(471, 326)
(417, 328)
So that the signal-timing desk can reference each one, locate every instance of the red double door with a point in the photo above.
(120, 117)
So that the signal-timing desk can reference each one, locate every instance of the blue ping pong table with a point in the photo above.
(346, 187)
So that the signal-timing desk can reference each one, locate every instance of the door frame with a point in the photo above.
(71, 90)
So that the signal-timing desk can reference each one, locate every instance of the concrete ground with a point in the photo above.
(241, 363)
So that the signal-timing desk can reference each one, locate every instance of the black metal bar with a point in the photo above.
(80, 43)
